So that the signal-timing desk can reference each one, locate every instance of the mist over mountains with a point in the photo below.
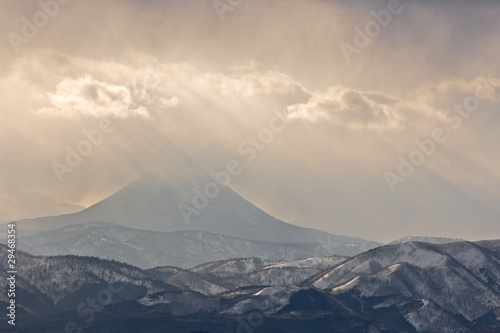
(234, 267)
(231, 166)
(152, 203)
(143, 225)
(148, 249)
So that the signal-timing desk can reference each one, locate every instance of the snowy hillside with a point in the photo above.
(410, 287)
(432, 240)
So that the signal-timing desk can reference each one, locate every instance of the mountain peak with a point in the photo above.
(189, 199)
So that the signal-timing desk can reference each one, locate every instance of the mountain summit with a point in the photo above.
(166, 201)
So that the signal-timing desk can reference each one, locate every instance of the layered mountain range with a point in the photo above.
(408, 287)
(144, 225)
(134, 263)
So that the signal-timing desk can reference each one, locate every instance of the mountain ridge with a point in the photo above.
(413, 287)
(148, 249)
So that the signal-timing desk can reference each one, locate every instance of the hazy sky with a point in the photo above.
(172, 82)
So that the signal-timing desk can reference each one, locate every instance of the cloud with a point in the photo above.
(351, 108)
(87, 96)
(359, 110)
(144, 87)
(75, 87)
(242, 82)
(196, 87)
(435, 101)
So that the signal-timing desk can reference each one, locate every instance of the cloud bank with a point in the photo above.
(180, 85)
